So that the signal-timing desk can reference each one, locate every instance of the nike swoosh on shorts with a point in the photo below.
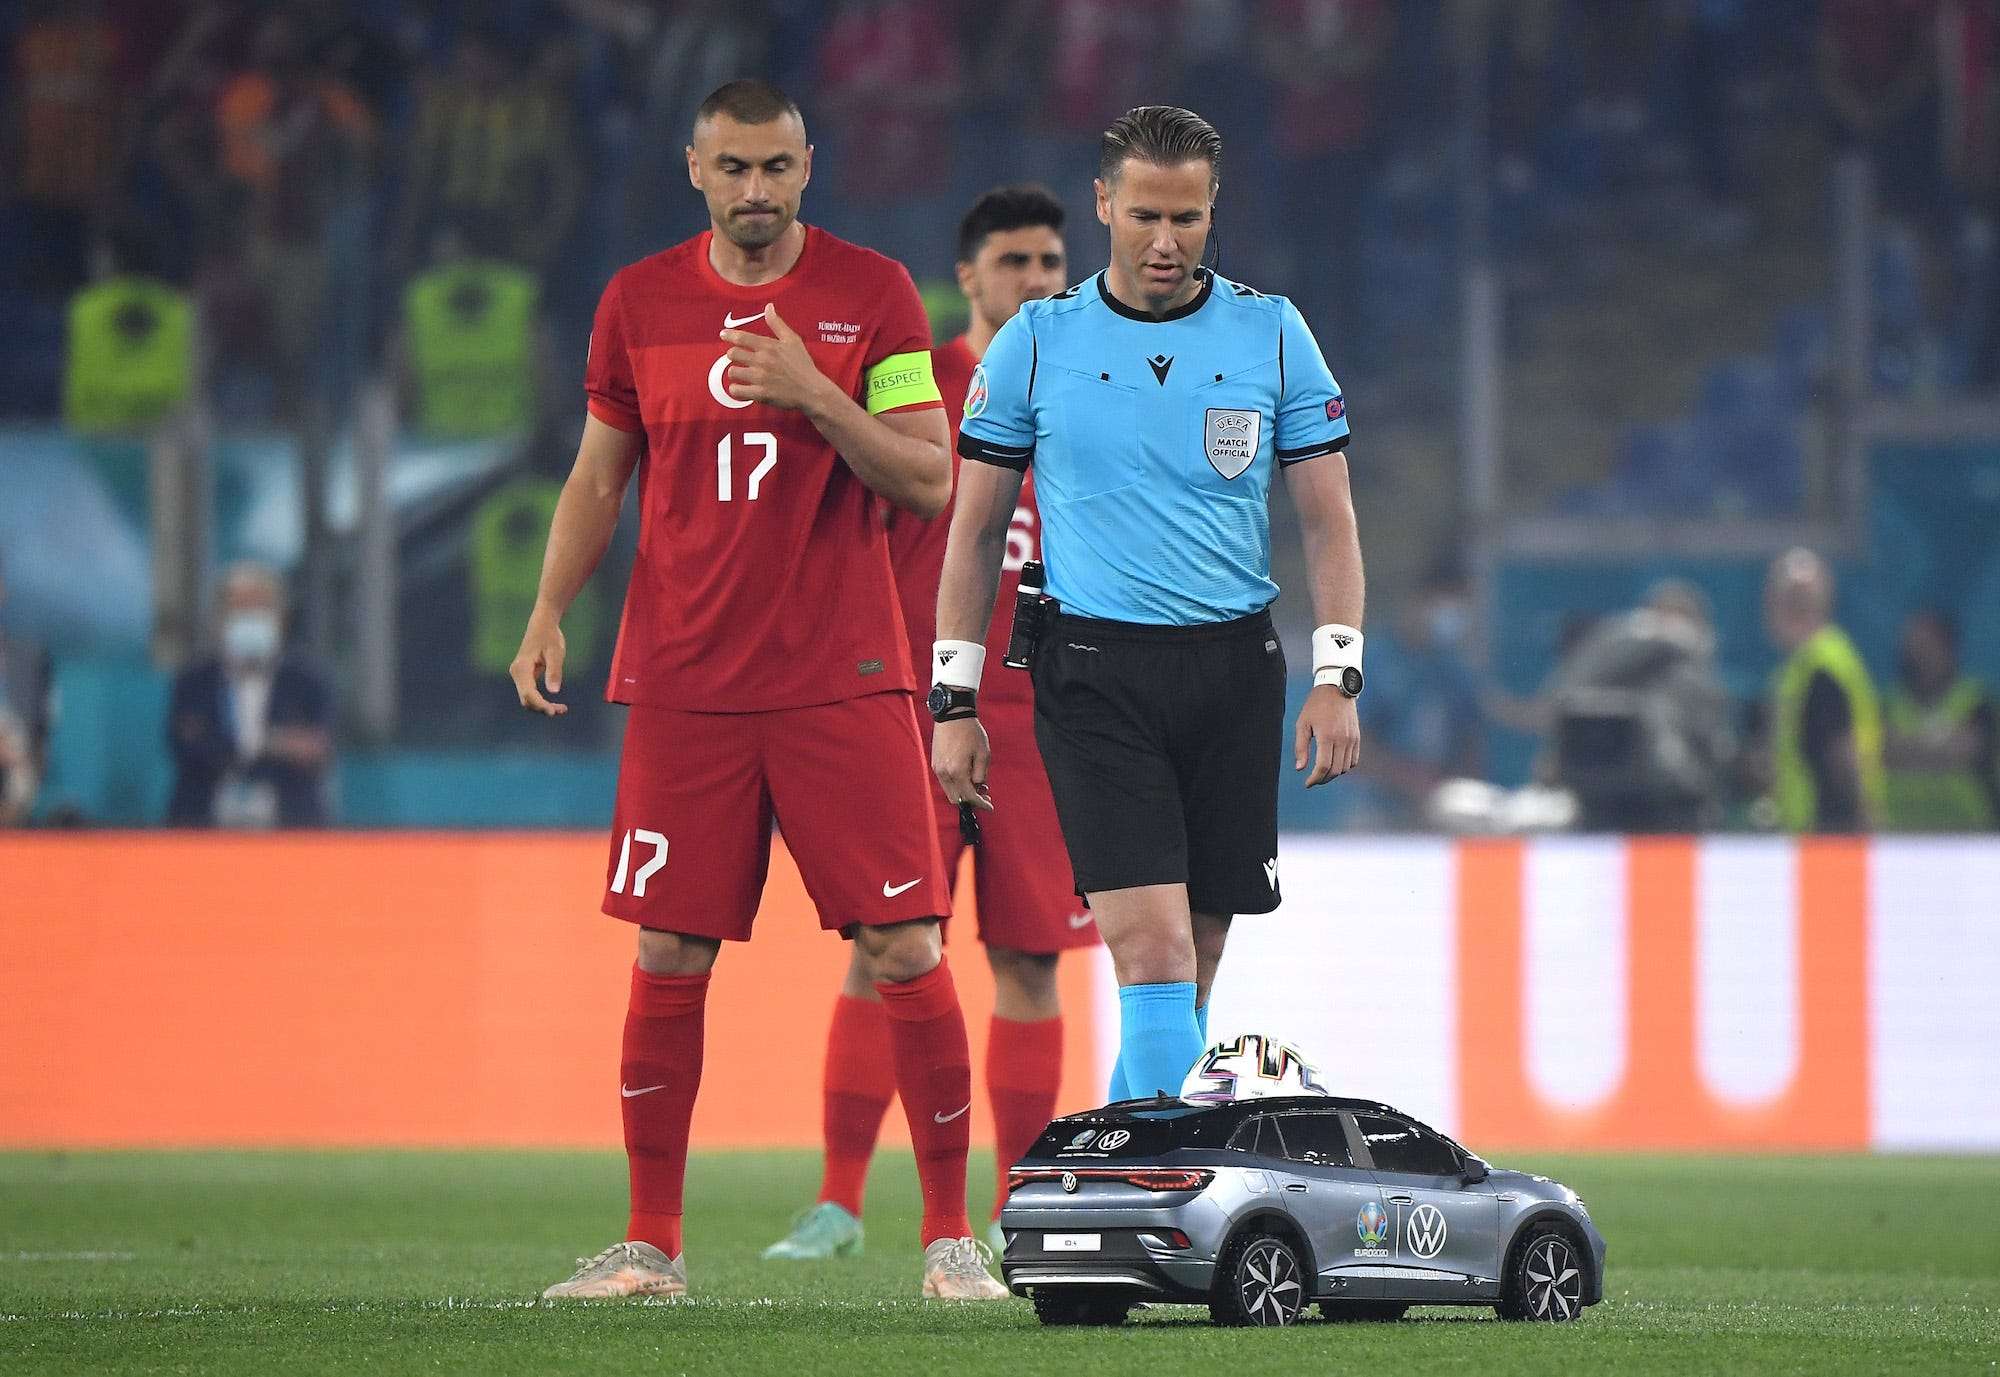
(889, 892)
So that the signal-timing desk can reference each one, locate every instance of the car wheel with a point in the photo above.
(1345, 1311)
(1544, 1279)
(1064, 1307)
(1258, 1280)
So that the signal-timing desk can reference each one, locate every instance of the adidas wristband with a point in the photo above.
(957, 664)
(1335, 647)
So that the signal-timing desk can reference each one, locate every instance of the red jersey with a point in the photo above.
(762, 579)
(917, 550)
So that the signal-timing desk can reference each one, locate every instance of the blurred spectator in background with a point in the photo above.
(24, 717)
(130, 357)
(889, 78)
(251, 728)
(1517, 39)
(295, 145)
(1425, 723)
(1942, 750)
(675, 54)
(1825, 721)
(493, 144)
(1877, 63)
(1327, 60)
(1711, 38)
(66, 112)
(1641, 730)
(470, 345)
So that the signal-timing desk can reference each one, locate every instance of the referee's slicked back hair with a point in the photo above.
(1164, 135)
(1007, 208)
(748, 100)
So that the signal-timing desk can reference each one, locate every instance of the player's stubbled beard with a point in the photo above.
(754, 224)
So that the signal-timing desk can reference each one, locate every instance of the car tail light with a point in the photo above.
(1145, 1178)
(1165, 1238)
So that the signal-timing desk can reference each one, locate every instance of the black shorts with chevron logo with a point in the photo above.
(1163, 746)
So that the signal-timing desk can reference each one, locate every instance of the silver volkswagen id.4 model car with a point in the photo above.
(1259, 1208)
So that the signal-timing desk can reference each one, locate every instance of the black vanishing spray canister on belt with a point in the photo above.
(1029, 612)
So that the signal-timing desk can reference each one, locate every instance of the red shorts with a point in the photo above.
(847, 782)
(1020, 871)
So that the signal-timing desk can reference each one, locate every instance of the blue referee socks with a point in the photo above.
(1201, 1024)
(1158, 1038)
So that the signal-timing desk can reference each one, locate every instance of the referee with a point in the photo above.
(1155, 401)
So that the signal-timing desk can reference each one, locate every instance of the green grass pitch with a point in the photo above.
(403, 1262)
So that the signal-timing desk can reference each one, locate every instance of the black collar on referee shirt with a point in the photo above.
(1186, 308)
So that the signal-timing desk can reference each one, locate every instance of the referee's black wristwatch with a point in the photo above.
(948, 703)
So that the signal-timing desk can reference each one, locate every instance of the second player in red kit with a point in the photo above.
(1010, 250)
(770, 385)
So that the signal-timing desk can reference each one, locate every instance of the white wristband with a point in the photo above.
(1335, 647)
(957, 664)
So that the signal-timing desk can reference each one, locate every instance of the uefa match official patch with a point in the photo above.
(1231, 438)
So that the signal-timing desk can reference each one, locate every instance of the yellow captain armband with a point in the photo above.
(900, 380)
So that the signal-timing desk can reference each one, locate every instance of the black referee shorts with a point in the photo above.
(1162, 745)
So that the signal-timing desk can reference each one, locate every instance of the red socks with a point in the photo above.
(1023, 1071)
(860, 1082)
(661, 1067)
(934, 1077)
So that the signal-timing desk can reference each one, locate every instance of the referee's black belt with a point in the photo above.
(1258, 623)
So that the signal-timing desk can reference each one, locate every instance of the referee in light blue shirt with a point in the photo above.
(1156, 402)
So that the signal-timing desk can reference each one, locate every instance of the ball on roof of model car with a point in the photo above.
(1255, 1066)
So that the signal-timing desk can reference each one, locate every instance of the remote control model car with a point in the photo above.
(1262, 1207)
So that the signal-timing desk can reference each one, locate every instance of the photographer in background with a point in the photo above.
(1640, 730)
(250, 728)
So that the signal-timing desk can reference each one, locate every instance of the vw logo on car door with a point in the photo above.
(1425, 1233)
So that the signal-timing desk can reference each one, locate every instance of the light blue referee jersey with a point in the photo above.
(1154, 443)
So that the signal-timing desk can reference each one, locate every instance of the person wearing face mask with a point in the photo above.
(250, 727)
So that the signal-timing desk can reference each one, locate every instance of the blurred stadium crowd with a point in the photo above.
(253, 212)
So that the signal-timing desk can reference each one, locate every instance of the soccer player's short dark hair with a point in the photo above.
(1164, 135)
(1007, 208)
(748, 100)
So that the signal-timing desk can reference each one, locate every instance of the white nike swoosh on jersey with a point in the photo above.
(947, 1118)
(731, 322)
(1081, 920)
(630, 1094)
(890, 893)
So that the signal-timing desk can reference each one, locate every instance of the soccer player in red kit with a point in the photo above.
(1010, 250)
(769, 383)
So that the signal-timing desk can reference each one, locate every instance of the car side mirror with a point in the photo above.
(1473, 1171)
